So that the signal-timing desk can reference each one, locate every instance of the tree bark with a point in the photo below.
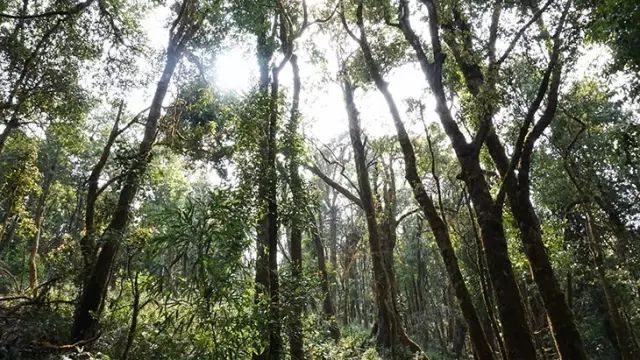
(267, 282)
(517, 338)
(565, 333)
(88, 242)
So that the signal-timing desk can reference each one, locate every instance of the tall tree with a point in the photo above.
(438, 225)
(185, 26)
(482, 86)
(390, 334)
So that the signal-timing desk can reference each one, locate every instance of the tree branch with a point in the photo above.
(521, 32)
(74, 10)
(339, 188)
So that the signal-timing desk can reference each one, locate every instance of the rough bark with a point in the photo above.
(565, 334)
(564, 331)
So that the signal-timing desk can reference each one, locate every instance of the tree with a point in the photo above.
(438, 225)
(186, 25)
(390, 334)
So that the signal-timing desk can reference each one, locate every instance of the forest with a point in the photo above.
(320, 179)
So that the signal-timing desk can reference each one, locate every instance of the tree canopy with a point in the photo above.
(339, 179)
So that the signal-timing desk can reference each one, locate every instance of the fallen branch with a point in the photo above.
(48, 345)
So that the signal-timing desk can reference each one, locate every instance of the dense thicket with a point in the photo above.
(429, 179)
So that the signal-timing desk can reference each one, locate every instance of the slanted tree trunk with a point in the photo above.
(88, 242)
(92, 298)
(518, 340)
(436, 223)
(94, 291)
(485, 284)
(565, 334)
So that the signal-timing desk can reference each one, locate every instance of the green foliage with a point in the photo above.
(616, 24)
(186, 265)
(194, 269)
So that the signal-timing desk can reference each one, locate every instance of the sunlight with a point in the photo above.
(234, 70)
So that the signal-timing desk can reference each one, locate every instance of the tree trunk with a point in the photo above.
(327, 303)
(624, 339)
(267, 281)
(88, 242)
(565, 333)
(566, 336)
(94, 291)
(436, 223)
(296, 345)
(390, 334)
(485, 284)
(517, 338)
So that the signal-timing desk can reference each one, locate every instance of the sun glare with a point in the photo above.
(234, 70)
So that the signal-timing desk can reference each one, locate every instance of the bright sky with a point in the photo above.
(322, 106)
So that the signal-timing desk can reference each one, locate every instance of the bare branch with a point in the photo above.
(407, 214)
(339, 188)
(521, 32)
